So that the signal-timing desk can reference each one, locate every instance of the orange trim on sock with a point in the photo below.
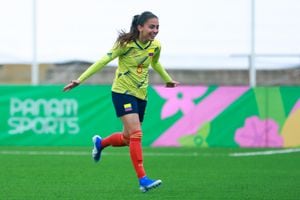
(136, 134)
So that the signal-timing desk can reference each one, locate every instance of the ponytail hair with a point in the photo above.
(124, 38)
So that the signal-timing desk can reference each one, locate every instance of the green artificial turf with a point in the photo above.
(187, 173)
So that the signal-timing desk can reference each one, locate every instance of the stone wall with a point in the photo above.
(64, 72)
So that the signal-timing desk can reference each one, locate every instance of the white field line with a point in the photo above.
(174, 154)
(264, 153)
(44, 153)
(84, 153)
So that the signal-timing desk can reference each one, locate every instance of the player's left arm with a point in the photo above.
(161, 70)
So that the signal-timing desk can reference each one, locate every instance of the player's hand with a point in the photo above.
(71, 85)
(172, 84)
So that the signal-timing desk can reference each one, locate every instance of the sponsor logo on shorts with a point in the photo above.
(127, 107)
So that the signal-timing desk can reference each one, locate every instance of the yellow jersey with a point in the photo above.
(132, 74)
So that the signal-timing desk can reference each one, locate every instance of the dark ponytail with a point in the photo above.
(124, 38)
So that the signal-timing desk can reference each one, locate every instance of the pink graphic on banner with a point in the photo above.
(296, 107)
(258, 133)
(205, 111)
(179, 98)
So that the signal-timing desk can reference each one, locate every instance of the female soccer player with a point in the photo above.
(136, 50)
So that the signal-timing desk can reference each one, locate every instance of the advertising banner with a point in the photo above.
(196, 116)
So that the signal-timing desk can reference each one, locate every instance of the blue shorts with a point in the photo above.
(125, 104)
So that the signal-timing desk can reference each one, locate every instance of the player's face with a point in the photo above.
(149, 30)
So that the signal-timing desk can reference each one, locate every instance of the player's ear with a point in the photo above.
(140, 28)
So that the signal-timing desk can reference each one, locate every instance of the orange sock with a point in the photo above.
(136, 154)
(115, 140)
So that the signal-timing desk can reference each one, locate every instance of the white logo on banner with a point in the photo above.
(43, 116)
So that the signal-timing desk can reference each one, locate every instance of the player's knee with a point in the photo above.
(136, 134)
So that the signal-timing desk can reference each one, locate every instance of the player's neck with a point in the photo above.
(142, 40)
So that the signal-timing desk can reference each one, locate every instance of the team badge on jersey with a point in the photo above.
(151, 52)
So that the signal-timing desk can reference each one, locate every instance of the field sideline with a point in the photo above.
(187, 173)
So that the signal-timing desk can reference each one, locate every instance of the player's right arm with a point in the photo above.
(111, 55)
(101, 63)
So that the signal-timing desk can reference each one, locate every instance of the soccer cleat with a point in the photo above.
(147, 184)
(97, 148)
